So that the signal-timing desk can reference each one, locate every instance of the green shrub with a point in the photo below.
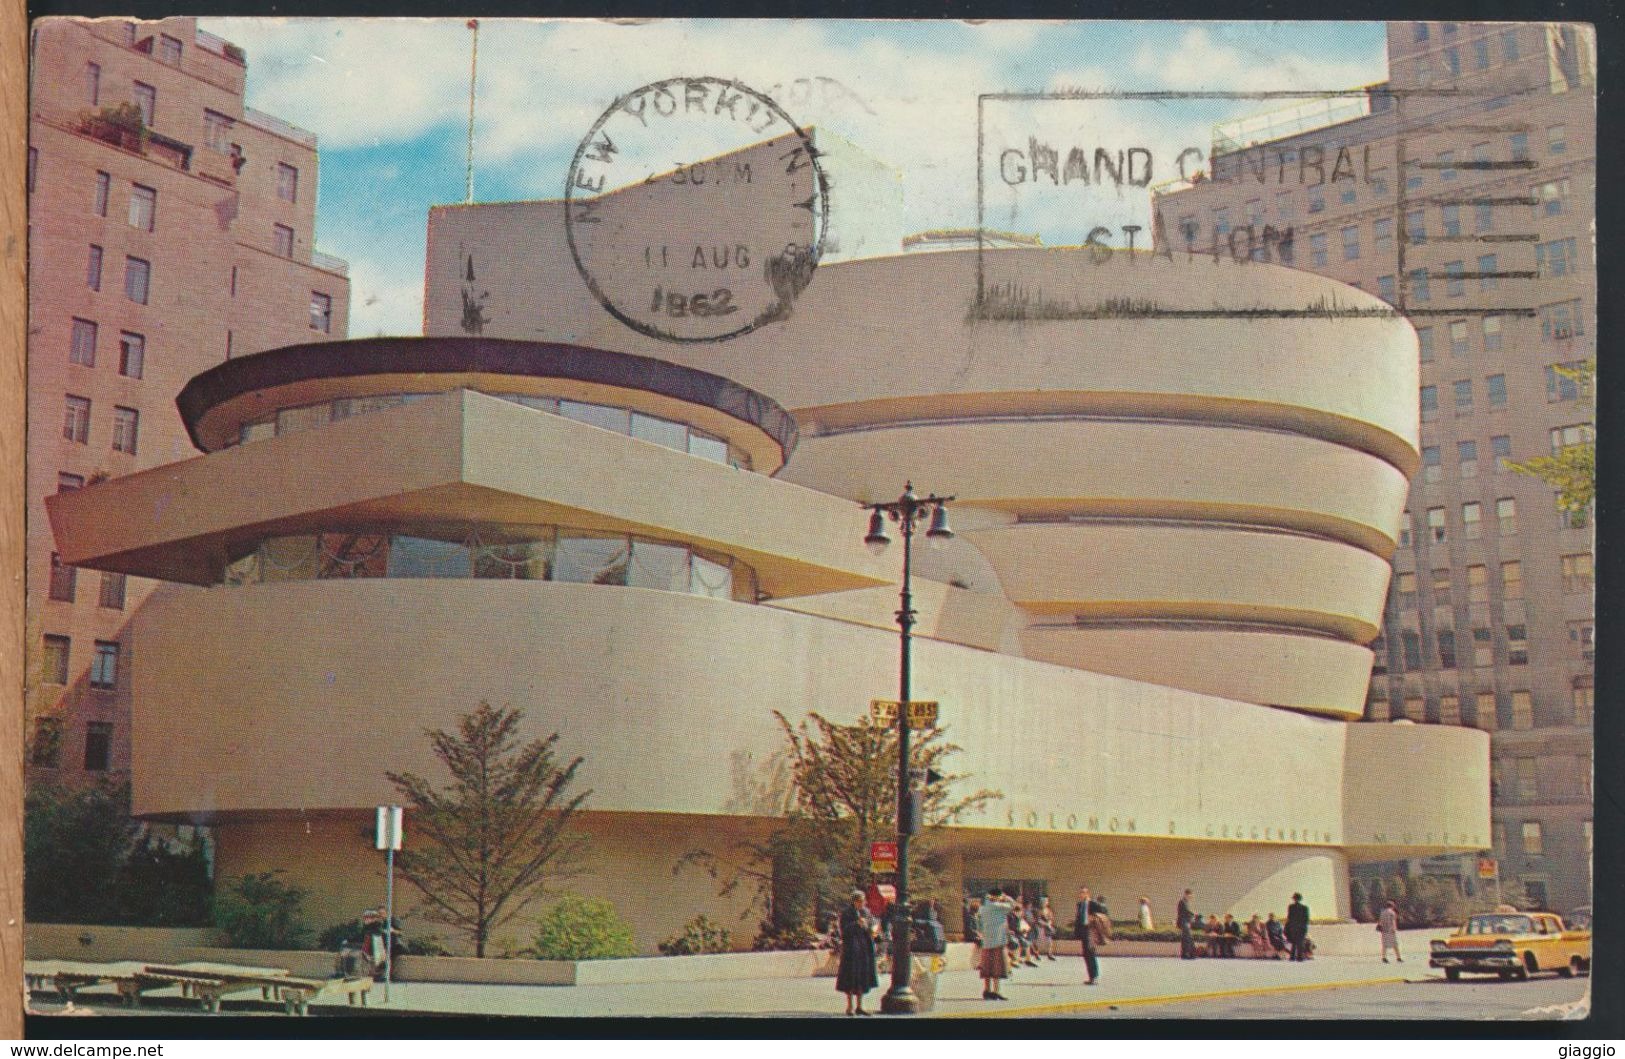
(582, 928)
(261, 912)
(779, 939)
(699, 935)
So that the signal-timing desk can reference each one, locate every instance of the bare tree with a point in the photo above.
(489, 841)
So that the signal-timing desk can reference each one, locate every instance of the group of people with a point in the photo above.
(1267, 938)
(1011, 932)
(859, 937)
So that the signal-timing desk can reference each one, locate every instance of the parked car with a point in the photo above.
(1513, 944)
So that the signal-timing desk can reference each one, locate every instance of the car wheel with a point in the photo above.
(1572, 969)
(1452, 974)
(1530, 966)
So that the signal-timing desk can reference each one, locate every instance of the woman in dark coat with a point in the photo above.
(857, 974)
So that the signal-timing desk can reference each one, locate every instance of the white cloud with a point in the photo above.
(386, 297)
(1255, 63)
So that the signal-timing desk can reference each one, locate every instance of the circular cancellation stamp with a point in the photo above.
(696, 210)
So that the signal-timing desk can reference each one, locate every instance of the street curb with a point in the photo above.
(1094, 1005)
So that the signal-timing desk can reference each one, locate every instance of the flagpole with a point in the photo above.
(473, 78)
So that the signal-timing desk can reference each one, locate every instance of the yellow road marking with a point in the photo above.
(1088, 1005)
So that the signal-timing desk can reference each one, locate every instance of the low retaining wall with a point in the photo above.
(73, 941)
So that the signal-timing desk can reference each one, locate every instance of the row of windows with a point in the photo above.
(665, 432)
(1582, 638)
(1508, 41)
(1533, 840)
(103, 665)
(1486, 705)
(132, 348)
(1520, 778)
(1495, 389)
(1576, 568)
(545, 554)
(46, 751)
(65, 579)
(76, 424)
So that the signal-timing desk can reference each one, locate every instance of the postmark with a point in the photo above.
(696, 210)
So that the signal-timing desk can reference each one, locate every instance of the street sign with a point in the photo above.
(389, 827)
(882, 856)
(922, 714)
(883, 711)
(1487, 868)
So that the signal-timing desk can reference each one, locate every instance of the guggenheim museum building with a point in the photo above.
(1174, 527)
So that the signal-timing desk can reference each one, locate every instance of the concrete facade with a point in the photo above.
(1471, 111)
(199, 199)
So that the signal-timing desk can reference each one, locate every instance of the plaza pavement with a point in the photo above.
(1051, 988)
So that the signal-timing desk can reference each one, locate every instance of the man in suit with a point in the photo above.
(1297, 928)
(1088, 908)
(1182, 918)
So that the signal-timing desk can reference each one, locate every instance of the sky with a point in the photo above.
(388, 101)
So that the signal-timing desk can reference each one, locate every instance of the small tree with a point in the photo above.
(262, 912)
(75, 844)
(1357, 902)
(582, 928)
(1572, 469)
(490, 840)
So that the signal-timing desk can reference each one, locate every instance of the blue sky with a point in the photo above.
(388, 99)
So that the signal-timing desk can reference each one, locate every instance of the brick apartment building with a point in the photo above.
(1462, 192)
(159, 245)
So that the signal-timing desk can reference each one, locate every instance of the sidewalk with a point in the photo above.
(1046, 989)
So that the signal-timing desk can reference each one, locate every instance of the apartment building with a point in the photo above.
(171, 227)
(1462, 192)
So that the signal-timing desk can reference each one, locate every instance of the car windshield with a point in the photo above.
(1500, 925)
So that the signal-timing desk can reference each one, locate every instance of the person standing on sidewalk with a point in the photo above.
(995, 932)
(1046, 928)
(1146, 922)
(857, 973)
(1084, 926)
(1297, 928)
(1388, 927)
(1182, 919)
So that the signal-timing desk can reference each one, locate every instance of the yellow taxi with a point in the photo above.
(1513, 944)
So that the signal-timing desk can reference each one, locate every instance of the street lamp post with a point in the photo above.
(906, 511)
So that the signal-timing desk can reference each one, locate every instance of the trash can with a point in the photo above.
(924, 980)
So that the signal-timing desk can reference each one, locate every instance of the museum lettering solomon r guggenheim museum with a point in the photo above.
(1149, 633)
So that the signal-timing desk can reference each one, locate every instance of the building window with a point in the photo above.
(143, 207)
(1492, 333)
(93, 84)
(287, 182)
(217, 132)
(1415, 708)
(1405, 589)
(125, 424)
(1481, 53)
(1419, 32)
(1488, 266)
(1517, 647)
(1485, 713)
(1221, 222)
(137, 278)
(104, 667)
(1379, 182)
(1556, 139)
(1512, 579)
(1454, 283)
(1441, 594)
(1347, 195)
(1478, 586)
(82, 348)
(1583, 634)
(1509, 45)
(93, 268)
(1577, 434)
(1523, 711)
(1452, 59)
(1497, 387)
(1417, 278)
(1379, 656)
(1467, 458)
(1472, 515)
(283, 238)
(1189, 229)
(1501, 450)
(321, 312)
(1430, 403)
(1577, 576)
(1447, 165)
(1283, 206)
(1436, 531)
(146, 98)
(1447, 648)
(1483, 216)
(1528, 782)
(1451, 217)
(1424, 340)
(1416, 230)
(46, 751)
(112, 594)
(1562, 384)
(1317, 199)
(1458, 338)
(1351, 243)
(1506, 513)
(1583, 698)
(76, 419)
(1464, 396)
(55, 666)
(1518, 143)
(1449, 709)
(1317, 249)
(1551, 198)
(67, 483)
(104, 186)
(98, 746)
(1411, 169)
(1430, 463)
(64, 580)
(132, 354)
(169, 49)
(1561, 320)
(1556, 258)
(1532, 845)
(1411, 642)
(1405, 530)
(1385, 289)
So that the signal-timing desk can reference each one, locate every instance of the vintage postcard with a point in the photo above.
(810, 518)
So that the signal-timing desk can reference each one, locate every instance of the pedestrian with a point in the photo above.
(1232, 935)
(1297, 928)
(1088, 934)
(1146, 922)
(1182, 919)
(973, 930)
(1277, 936)
(1388, 927)
(1046, 927)
(1015, 922)
(1029, 920)
(857, 973)
(994, 926)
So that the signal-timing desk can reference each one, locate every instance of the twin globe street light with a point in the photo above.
(906, 511)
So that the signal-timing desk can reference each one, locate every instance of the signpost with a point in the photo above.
(389, 838)
(922, 713)
(882, 856)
